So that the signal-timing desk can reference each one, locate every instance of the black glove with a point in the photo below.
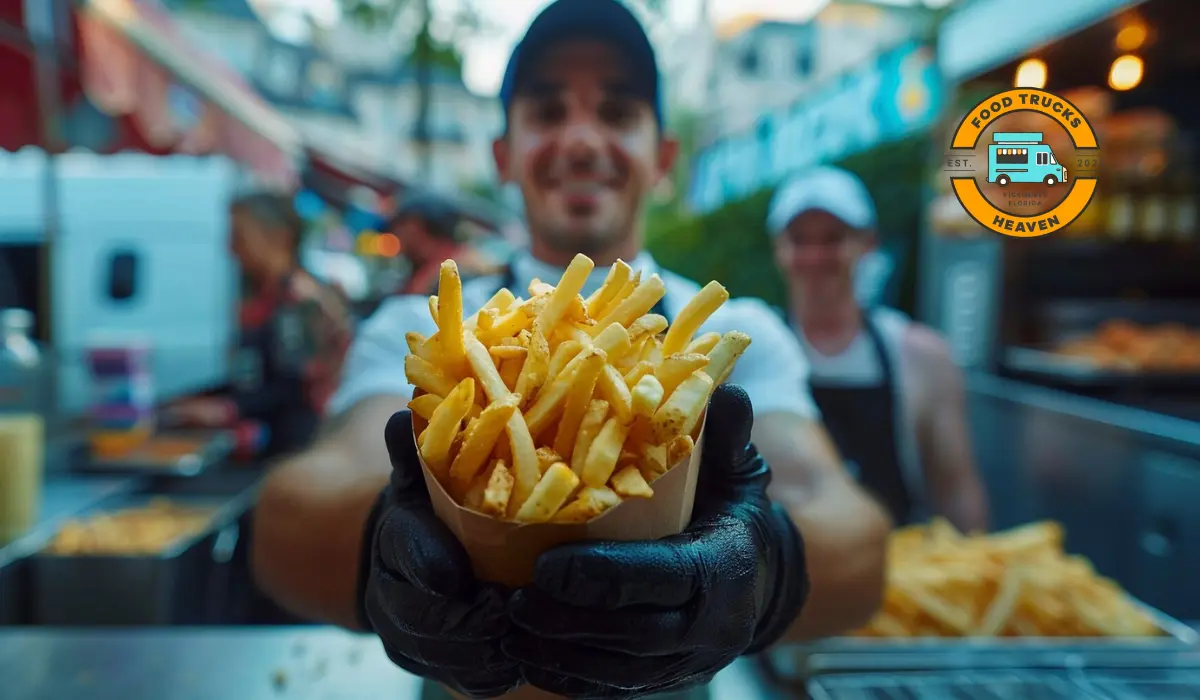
(626, 619)
(418, 591)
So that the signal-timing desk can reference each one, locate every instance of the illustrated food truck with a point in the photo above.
(1022, 157)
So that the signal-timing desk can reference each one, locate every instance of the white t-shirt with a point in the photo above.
(773, 370)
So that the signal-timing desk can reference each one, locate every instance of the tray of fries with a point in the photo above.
(556, 417)
(950, 596)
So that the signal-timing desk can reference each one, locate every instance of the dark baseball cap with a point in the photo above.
(439, 216)
(608, 21)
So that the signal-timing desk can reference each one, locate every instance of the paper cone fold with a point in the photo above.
(505, 552)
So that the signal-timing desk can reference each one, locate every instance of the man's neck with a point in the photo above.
(274, 274)
(831, 320)
(625, 250)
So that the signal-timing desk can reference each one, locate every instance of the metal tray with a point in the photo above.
(180, 585)
(217, 446)
(870, 654)
(13, 589)
(1073, 684)
(1048, 366)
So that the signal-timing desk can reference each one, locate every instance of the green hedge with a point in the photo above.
(731, 245)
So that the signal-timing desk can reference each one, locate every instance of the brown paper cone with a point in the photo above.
(505, 552)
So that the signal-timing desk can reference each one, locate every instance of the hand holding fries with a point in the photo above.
(555, 407)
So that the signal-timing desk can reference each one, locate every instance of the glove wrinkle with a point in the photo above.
(631, 619)
(420, 594)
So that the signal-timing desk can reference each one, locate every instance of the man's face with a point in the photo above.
(819, 252)
(584, 151)
(416, 241)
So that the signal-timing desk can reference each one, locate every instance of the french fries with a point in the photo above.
(1018, 583)
(554, 408)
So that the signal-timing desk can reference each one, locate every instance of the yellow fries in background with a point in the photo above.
(1017, 583)
(597, 397)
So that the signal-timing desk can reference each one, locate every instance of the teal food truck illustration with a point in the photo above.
(1022, 157)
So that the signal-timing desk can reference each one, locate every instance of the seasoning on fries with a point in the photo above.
(1017, 583)
(556, 407)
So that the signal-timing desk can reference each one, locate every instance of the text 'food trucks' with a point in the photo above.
(1022, 157)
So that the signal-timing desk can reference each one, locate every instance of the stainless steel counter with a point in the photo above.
(299, 663)
(1123, 482)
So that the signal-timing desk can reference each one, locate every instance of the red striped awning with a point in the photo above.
(130, 80)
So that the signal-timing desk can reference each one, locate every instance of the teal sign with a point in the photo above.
(897, 94)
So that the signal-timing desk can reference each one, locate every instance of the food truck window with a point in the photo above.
(122, 275)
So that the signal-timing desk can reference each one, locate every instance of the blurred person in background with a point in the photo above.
(428, 229)
(888, 390)
(345, 532)
(293, 333)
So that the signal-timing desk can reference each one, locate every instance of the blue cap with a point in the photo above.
(608, 21)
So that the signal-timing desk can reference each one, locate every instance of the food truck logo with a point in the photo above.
(1031, 191)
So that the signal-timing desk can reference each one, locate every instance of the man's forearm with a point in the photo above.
(845, 531)
(845, 544)
(311, 516)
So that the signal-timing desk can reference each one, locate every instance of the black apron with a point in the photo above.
(508, 280)
(267, 377)
(862, 422)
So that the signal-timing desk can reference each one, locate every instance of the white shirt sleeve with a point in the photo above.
(773, 370)
(374, 365)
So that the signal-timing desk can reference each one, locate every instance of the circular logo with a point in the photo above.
(1038, 164)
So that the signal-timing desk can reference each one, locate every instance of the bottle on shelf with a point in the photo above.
(22, 425)
(1183, 223)
(1119, 212)
(1153, 202)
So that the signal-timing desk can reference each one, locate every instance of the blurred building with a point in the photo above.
(350, 88)
(730, 75)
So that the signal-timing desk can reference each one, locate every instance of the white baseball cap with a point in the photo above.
(830, 189)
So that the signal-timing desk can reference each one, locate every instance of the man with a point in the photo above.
(584, 142)
(873, 372)
(427, 227)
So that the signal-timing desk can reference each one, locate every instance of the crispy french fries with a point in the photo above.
(603, 453)
(444, 425)
(498, 492)
(536, 366)
(576, 406)
(547, 457)
(560, 297)
(618, 275)
(724, 354)
(1018, 583)
(683, 407)
(693, 315)
(636, 304)
(646, 396)
(589, 504)
(556, 486)
(555, 407)
(425, 404)
(480, 439)
(589, 428)
(450, 316)
(630, 483)
(612, 388)
(677, 368)
(427, 377)
(703, 344)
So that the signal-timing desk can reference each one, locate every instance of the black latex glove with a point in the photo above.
(419, 593)
(625, 619)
